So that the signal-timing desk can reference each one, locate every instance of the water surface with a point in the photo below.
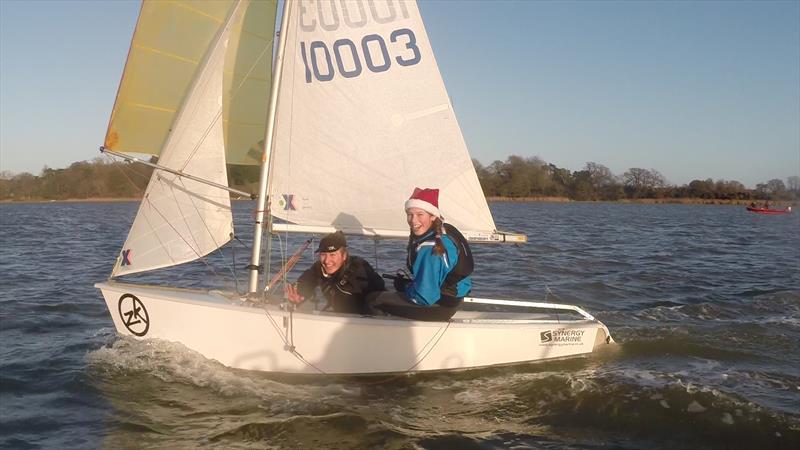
(704, 302)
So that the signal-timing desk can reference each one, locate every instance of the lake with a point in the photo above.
(703, 301)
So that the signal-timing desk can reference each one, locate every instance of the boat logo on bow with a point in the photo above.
(134, 314)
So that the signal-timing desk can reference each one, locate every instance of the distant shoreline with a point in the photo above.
(646, 201)
(79, 200)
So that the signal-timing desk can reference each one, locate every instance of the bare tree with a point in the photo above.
(600, 175)
(793, 184)
(776, 186)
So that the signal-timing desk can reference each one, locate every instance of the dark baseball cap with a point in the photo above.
(332, 242)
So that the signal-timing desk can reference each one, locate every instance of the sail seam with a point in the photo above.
(151, 107)
(198, 12)
(169, 55)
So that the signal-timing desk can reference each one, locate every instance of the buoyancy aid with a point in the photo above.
(464, 265)
(345, 289)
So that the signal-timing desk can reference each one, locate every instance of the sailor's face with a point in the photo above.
(332, 261)
(419, 220)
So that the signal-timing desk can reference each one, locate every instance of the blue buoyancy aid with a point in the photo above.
(439, 275)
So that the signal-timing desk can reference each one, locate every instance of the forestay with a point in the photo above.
(363, 117)
(179, 219)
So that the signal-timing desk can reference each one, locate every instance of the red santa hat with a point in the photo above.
(426, 200)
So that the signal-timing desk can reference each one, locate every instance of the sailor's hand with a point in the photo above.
(400, 283)
(291, 293)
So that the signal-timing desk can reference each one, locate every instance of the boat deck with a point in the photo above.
(515, 317)
(473, 311)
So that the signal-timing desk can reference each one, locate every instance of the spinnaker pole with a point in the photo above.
(262, 202)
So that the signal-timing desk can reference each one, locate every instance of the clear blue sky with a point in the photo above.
(691, 89)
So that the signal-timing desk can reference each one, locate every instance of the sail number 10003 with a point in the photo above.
(345, 57)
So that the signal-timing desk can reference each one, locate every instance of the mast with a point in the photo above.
(262, 202)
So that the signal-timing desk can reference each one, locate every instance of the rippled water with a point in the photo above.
(704, 302)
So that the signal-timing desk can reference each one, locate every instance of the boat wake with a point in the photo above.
(563, 404)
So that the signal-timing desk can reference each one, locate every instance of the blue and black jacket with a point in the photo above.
(436, 276)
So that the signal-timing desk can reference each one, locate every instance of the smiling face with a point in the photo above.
(419, 220)
(332, 261)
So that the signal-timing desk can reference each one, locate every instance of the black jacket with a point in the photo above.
(344, 290)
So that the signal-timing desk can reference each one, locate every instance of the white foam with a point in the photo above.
(727, 419)
(695, 407)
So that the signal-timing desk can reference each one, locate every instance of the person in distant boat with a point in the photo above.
(766, 204)
(753, 205)
(344, 280)
(440, 262)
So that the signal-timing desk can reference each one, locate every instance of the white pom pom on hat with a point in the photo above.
(426, 200)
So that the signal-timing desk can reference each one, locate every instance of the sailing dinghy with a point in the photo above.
(352, 115)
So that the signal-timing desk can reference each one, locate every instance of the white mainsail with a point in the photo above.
(364, 117)
(179, 219)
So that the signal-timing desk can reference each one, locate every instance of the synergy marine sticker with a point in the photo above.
(562, 336)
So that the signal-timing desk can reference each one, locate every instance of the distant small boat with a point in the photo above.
(786, 210)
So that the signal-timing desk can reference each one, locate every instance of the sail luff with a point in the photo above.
(262, 201)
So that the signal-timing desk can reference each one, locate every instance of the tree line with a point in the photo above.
(97, 179)
(519, 177)
(516, 177)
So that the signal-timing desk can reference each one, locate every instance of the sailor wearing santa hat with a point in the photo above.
(440, 262)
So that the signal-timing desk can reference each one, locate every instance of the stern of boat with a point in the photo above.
(603, 336)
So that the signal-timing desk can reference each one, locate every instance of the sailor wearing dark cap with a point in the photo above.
(344, 280)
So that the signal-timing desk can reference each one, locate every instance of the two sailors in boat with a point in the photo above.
(343, 279)
(439, 260)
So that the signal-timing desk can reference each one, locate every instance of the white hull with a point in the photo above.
(243, 335)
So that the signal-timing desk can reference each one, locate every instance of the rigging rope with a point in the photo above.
(199, 257)
(546, 293)
(281, 274)
(119, 167)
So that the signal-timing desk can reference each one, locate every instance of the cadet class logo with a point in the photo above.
(287, 202)
(126, 258)
(134, 315)
(562, 336)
